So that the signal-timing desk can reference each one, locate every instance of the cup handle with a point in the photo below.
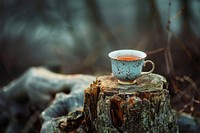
(153, 67)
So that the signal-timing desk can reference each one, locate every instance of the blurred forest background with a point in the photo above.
(75, 36)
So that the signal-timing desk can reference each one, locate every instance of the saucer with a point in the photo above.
(126, 83)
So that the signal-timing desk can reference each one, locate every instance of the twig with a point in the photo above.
(183, 46)
(170, 69)
(178, 14)
(168, 22)
(193, 84)
(155, 51)
(189, 80)
(167, 62)
(187, 94)
(187, 51)
(195, 101)
(168, 56)
(31, 122)
(186, 106)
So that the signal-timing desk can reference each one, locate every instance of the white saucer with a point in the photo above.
(126, 83)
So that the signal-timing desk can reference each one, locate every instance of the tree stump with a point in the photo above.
(143, 107)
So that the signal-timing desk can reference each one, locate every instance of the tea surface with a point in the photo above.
(128, 58)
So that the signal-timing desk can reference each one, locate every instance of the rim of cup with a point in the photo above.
(127, 52)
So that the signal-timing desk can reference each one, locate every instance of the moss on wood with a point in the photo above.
(142, 107)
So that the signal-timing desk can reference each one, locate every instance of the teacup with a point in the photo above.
(127, 65)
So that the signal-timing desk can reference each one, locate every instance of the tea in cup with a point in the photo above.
(127, 65)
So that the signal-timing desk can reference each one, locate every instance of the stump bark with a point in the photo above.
(109, 107)
(143, 107)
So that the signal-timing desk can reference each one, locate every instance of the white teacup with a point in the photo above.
(127, 65)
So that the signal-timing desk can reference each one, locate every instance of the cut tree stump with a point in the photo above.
(109, 107)
(143, 107)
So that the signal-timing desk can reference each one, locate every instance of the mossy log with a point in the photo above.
(143, 107)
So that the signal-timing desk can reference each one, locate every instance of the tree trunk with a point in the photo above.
(142, 107)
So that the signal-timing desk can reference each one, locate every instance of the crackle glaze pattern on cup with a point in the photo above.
(126, 71)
